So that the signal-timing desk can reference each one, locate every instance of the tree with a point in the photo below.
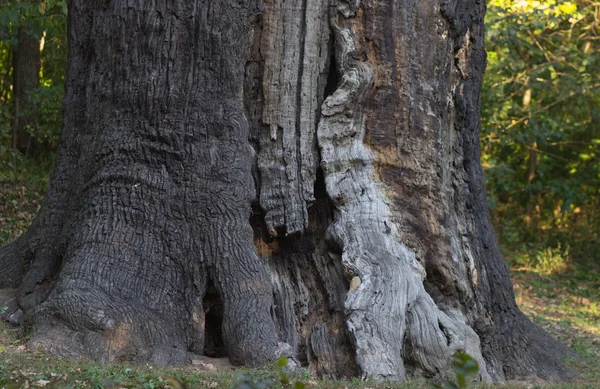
(26, 78)
(254, 179)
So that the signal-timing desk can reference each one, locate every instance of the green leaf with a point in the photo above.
(282, 362)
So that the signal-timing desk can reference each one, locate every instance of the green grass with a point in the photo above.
(560, 304)
(20, 365)
(568, 307)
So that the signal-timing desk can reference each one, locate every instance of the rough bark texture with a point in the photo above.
(254, 179)
(155, 125)
(294, 51)
(26, 78)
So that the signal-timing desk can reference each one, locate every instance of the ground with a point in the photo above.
(566, 304)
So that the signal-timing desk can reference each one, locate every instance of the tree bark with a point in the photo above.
(26, 78)
(254, 179)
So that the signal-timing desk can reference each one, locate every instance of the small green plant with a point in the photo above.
(466, 370)
(542, 258)
(284, 379)
(246, 382)
(551, 260)
(3, 309)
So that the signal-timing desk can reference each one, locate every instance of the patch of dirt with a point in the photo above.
(203, 363)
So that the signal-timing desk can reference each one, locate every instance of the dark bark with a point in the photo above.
(159, 138)
(366, 247)
(26, 78)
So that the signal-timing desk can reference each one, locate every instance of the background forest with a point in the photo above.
(540, 144)
(540, 131)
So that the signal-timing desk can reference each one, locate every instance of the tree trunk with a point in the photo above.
(253, 179)
(26, 78)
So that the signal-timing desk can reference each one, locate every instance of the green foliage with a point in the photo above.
(551, 260)
(46, 21)
(47, 115)
(541, 127)
(21, 197)
(543, 259)
(6, 109)
(466, 370)
(35, 17)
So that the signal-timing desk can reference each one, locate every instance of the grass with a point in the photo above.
(567, 305)
(24, 368)
(28, 368)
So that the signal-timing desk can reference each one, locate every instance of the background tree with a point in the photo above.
(32, 60)
(267, 180)
(26, 69)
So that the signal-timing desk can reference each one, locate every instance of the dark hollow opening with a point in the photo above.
(213, 322)
(333, 76)
(320, 188)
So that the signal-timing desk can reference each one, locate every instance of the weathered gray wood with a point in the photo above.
(294, 49)
(309, 286)
(389, 313)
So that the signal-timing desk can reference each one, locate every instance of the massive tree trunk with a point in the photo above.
(250, 179)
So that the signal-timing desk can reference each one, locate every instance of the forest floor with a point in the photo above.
(566, 306)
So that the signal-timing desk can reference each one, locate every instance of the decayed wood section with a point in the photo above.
(254, 179)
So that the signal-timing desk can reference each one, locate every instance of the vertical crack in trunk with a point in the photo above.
(293, 46)
(309, 287)
(393, 322)
(308, 284)
(305, 182)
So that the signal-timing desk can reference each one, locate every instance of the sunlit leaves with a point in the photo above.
(540, 100)
(44, 20)
(547, 7)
